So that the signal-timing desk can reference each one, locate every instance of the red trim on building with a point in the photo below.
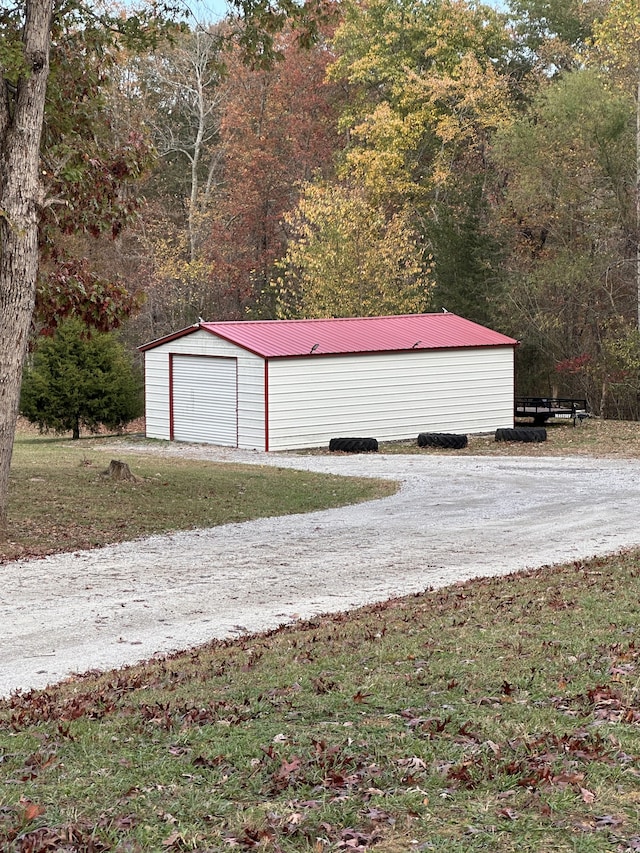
(170, 396)
(179, 334)
(514, 382)
(237, 406)
(266, 405)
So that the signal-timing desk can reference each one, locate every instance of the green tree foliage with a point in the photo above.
(348, 258)
(261, 21)
(74, 380)
(552, 35)
(469, 278)
(569, 210)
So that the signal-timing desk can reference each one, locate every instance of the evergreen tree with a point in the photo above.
(75, 380)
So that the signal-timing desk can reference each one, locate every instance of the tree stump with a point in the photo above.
(119, 471)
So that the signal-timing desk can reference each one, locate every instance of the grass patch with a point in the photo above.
(594, 437)
(60, 502)
(496, 715)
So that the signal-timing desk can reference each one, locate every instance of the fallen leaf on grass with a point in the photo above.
(166, 817)
(607, 820)
(360, 697)
(121, 823)
(587, 795)
(379, 816)
(209, 763)
(282, 777)
(413, 763)
(508, 814)
(352, 839)
(30, 811)
(74, 837)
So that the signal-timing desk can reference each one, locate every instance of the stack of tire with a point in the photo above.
(447, 440)
(530, 434)
(353, 445)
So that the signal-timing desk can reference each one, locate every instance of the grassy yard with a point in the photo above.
(594, 437)
(496, 715)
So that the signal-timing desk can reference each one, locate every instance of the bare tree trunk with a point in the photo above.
(21, 117)
(638, 197)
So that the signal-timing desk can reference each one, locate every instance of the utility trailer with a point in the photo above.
(541, 409)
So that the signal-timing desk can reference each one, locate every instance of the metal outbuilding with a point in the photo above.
(286, 384)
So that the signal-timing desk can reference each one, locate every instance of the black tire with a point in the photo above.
(529, 434)
(449, 440)
(353, 445)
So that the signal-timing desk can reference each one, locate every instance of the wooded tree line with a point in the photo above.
(327, 159)
(418, 156)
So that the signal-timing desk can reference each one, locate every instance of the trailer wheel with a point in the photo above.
(353, 445)
(448, 440)
(529, 434)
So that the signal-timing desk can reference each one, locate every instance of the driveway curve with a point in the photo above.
(453, 518)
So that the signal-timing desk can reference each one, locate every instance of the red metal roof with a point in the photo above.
(281, 338)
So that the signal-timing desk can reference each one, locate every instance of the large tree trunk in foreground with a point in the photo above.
(21, 117)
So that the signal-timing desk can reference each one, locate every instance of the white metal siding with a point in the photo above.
(250, 398)
(389, 396)
(156, 393)
(204, 396)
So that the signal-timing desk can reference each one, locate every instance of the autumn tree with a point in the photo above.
(428, 86)
(348, 258)
(266, 130)
(54, 176)
(177, 90)
(182, 98)
(279, 127)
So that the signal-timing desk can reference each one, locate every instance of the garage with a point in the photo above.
(289, 384)
(204, 399)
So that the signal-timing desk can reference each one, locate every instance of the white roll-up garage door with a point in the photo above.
(205, 399)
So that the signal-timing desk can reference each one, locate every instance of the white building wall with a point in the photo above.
(388, 397)
(201, 343)
(156, 393)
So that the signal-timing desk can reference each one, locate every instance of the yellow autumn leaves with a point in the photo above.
(347, 257)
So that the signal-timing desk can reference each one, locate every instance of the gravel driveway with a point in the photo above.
(453, 518)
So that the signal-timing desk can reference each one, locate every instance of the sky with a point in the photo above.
(209, 11)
